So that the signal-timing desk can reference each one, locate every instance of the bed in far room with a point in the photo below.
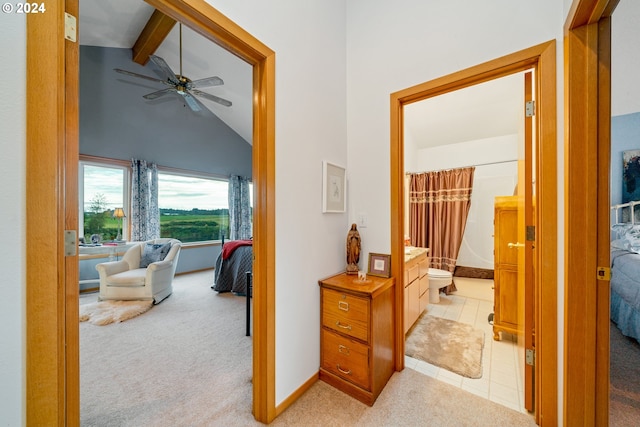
(232, 265)
(625, 270)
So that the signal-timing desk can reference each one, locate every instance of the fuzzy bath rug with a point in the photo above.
(454, 346)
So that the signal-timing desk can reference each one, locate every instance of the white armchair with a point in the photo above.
(128, 279)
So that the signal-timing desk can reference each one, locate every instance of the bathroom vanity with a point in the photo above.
(416, 284)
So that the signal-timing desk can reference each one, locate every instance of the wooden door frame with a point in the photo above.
(543, 58)
(52, 338)
(587, 238)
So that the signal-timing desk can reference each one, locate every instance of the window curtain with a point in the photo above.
(239, 208)
(439, 204)
(145, 214)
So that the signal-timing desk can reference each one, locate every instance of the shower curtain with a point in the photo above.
(439, 204)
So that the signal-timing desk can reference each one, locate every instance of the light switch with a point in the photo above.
(362, 220)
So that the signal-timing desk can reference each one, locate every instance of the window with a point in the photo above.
(193, 208)
(102, 188)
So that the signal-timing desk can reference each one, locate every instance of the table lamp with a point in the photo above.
(118, 213)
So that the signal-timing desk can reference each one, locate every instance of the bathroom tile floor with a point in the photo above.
(501, 380)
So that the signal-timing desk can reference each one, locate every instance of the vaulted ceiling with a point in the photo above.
(136, 25)
(483, 111)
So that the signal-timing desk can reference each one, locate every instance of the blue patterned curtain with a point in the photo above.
(145, 214)
(239, 208)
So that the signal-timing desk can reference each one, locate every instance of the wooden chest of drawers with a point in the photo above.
(357, 351)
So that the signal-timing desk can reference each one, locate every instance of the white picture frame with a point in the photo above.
(334, 188)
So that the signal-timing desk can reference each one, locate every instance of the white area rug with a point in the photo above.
(106, 312)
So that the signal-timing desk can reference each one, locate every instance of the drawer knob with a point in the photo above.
(342, 349)
(347, 372)
(340, 325)
(344, 306)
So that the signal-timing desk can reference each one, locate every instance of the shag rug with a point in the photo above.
(454, 346)
(112, 311)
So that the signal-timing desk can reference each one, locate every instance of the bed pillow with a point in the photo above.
(629, 237)
(154, 252)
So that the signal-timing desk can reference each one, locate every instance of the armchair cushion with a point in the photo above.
(154, 252)
(131, 278)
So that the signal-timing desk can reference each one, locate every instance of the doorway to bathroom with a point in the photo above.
(479, 130)
(540, 58)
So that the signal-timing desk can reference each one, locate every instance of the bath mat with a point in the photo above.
(111, 311)
(454, 346)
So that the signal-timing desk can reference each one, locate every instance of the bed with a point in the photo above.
(625, 270)
(232, 265)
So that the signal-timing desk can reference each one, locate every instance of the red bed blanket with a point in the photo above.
(231, 246)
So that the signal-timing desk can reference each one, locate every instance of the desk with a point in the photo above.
(90, 256)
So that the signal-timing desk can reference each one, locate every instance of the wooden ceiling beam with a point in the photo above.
(153, 34)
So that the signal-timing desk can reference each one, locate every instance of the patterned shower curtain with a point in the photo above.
(239, 208)
(439, 203)
(145, 214)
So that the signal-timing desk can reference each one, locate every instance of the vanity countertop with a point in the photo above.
(411, 252)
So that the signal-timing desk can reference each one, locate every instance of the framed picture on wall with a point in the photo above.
(334, 188)
(630, 175)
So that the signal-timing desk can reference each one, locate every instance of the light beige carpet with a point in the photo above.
(188, 362)
(106, 312)
(454, 346)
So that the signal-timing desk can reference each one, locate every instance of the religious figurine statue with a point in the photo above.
(353, 250)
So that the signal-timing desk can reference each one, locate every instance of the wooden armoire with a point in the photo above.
(505, 301)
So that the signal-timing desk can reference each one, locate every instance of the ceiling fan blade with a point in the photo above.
(207, 82)
(191, 102)
(129, 73)
(213, 98)
(159, 93)
(164, 67)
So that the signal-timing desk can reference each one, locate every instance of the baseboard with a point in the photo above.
(296, 394)
(195, 271)
(473, 272)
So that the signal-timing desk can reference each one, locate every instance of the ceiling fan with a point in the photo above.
(180, 84)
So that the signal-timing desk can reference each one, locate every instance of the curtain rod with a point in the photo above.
(462, 167)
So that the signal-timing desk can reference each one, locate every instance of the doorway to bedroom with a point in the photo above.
(53, 384)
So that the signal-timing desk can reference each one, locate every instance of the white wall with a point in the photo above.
(12, 227)
(309, 40)
(625, 58)
(390, 48)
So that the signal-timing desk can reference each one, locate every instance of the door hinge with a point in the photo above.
(530, 108)
(70, 242)
(70, 27)
(530, 233)
(530, 357)
(603, 273)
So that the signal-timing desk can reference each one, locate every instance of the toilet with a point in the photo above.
(438, 279)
